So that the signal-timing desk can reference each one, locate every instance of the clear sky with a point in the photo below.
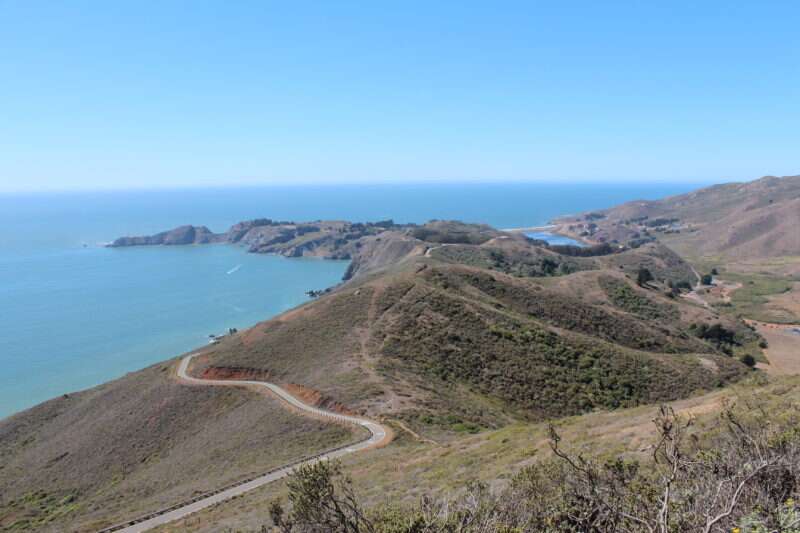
(119, 94)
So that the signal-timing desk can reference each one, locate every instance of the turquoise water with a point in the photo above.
(74, 314)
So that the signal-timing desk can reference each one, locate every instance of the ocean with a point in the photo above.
(74, 314)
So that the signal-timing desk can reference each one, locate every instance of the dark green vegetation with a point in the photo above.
(504, 341)
(637, 302)
(85, 460)
(664, 265)
(519, 260)
(451, 232)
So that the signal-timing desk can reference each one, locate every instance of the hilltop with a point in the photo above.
(734, 221)
(743, 235)
(445, 344)
(364, 244)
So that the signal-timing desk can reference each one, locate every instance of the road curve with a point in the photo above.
(378, 434)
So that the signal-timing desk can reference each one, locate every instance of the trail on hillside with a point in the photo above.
(379, 435)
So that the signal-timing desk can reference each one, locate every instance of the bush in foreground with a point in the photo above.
(745, 479)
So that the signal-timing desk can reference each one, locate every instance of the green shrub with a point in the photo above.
(748, 360)
(643, 276)
(626, 298)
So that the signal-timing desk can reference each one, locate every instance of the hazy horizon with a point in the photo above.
(344, 184)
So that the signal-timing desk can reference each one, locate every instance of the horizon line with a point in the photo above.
(393, 183)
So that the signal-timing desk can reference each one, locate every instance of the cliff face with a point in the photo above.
(368, 245)
(385, 249)
(179, 235)
(321, 238)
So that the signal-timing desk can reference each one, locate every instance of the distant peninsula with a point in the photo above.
(365, 244)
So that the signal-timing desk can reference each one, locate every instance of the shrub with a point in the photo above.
(743, 478)
(322, 499)
(717, 334)
(643, 276)
(749, 360)
(584, 251)
(628, 299)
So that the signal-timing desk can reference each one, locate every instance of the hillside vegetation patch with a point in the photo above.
(622, 295)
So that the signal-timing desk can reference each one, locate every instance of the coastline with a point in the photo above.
(196, 297)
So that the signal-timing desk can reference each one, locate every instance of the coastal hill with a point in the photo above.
(737, 221)
(444, 329)
(363, 243)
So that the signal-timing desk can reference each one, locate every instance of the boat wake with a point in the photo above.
(234, 269)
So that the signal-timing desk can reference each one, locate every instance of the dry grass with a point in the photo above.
(787, 302)
(139, 443)
(783, 353)
(408, 469)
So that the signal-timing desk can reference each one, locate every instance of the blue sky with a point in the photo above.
(148, 94)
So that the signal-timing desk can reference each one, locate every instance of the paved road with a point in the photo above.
(378, 434)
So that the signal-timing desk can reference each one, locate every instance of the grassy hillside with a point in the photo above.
(142, 442)
(446, 346)
(734, 221)
(507, 352)
(748, 232)
(411, 469)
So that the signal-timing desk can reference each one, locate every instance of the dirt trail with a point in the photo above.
(379, 436)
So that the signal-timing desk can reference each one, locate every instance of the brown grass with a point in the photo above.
(139, 443)
(783, 352)
(409, 469)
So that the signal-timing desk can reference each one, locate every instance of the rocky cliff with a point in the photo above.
(179, 235)
(368, 245)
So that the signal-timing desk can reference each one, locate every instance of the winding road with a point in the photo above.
(378, 435)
